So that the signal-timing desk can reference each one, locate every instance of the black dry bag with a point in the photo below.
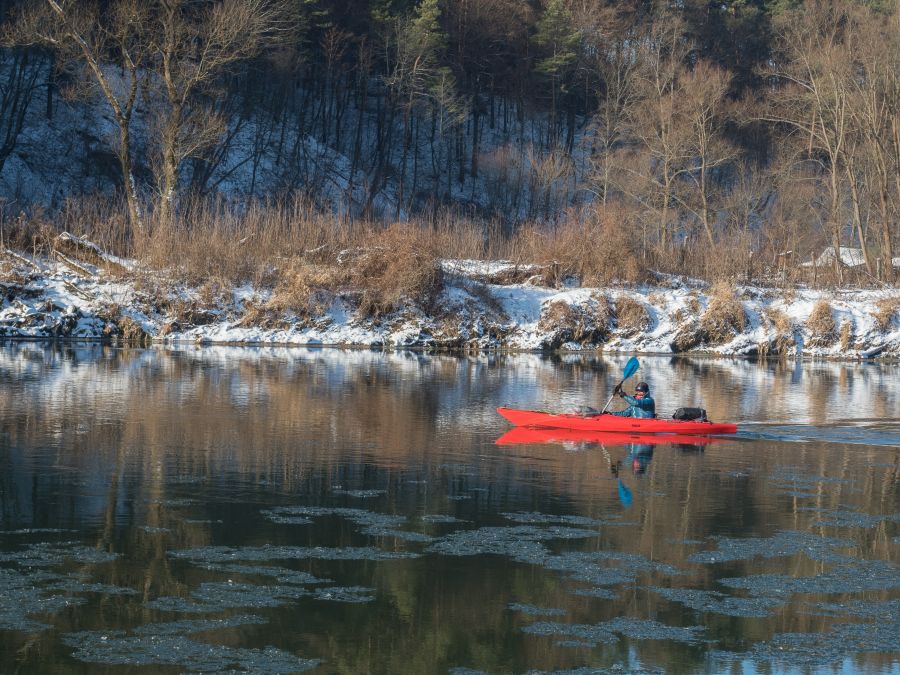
(688, 414)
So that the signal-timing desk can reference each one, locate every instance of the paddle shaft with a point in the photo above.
(611, 397)
(630, 369)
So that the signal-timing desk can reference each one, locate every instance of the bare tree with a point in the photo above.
(108, 49)
(18, 81)
(704, 90)
(875, 107)
(815, 74)
(192, 47)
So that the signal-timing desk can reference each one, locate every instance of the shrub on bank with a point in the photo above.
(724, 316)
(820, 324)
(885, 311)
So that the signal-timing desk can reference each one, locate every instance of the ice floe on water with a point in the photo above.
(608, 632)
(531, 610)
(787, 543)
(860, 576)
(719, 603)
(371, 523)
(225, 554)
(809, 650)
(169, 644)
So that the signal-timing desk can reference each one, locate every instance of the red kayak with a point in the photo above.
(539, 436)
(607, 422)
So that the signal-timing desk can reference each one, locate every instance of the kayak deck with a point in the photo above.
(608, 422)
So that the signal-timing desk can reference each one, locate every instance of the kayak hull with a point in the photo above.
(543, 435)
(612, 423)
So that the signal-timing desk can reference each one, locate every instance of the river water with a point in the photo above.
(289, 510)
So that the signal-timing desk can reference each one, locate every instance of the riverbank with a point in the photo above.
(86, 294)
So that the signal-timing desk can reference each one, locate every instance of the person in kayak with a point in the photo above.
(640, 405)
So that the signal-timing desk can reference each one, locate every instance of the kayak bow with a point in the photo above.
(614, 423)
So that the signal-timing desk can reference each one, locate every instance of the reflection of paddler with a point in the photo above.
(640, 455)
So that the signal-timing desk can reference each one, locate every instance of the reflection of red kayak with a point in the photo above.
(523, 435)
(534, 418)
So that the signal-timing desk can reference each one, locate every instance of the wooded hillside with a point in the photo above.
(737, 137)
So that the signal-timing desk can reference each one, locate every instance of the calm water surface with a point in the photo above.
(270, 511)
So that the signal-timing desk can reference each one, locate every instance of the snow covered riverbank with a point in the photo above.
(480, 306)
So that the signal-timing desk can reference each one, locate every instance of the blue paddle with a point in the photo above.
(630, 369)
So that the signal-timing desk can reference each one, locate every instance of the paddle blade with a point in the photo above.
(624, 495)
(631, 367)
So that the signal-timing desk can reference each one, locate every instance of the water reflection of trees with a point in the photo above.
(122, 433)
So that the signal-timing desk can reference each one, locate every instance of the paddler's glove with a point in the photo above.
(618, 391)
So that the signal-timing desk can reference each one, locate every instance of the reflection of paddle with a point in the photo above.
(630, 369)
(624, 493)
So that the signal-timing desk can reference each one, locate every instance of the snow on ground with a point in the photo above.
(64, 298)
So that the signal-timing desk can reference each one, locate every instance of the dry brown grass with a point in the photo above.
(783, 342)
(595, 246)
(724, 316)
(631, 315)
(885, 311)
(846, 335)
(820, 324)
(586, 323)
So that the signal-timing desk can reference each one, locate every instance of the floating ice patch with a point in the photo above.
(36, 530)
(168, 645)
(282, 575)
(155, 530)
(441, 519)
(531, 610)
(229, 594)
(862, 575)
(73, 585)
(793, 482)
(225, 554)
(719, 603)
(601, 593)
(372, 524)
(887, 610)
(22, 595)
(534, 518)
(360, 494)
(606, 632)
(786, 543)
(606, 568)
(175, 503)
(50, 555)
(844, 518)
(809, 650)
(520, 543)
(345, 594)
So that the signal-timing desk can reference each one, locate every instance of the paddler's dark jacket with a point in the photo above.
(644, 407)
